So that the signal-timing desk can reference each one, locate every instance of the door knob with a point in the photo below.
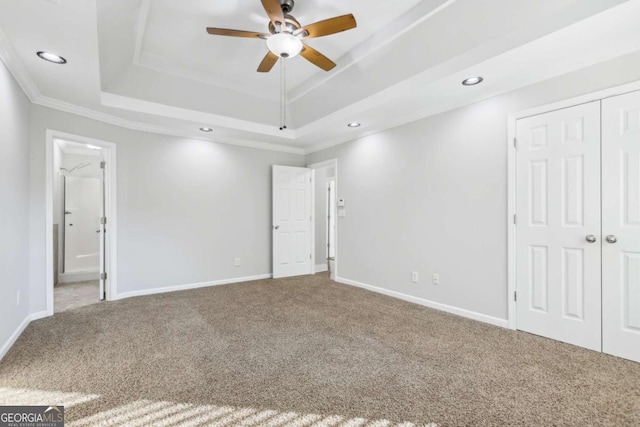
(276, 227)
(611, 238)
(591, 238)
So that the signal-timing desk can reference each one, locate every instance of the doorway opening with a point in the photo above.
(80, 210)
(326, 214)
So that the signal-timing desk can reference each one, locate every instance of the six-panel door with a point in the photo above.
(291, 221)
(558, 225)
(621, 225)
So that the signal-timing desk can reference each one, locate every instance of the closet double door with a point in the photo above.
(578, 225)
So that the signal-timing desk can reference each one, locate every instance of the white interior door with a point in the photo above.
(82, 224)
(621, 225)
(558, 225)
(292, 221)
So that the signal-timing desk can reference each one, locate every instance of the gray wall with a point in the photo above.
(186, 207)
(431, 196)
(14, 205)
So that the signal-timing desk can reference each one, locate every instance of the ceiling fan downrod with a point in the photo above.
(287, 5)
(283, 95)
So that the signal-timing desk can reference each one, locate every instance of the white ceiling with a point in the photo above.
(150, 65)
(165, 27)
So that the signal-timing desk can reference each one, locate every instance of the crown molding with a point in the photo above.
(150, 128)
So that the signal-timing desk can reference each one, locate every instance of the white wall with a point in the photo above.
(14, 207)
(186, 207)
(431, 196)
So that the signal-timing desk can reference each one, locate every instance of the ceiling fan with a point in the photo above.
(286, 35)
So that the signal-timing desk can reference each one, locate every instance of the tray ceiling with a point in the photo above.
(149, 64)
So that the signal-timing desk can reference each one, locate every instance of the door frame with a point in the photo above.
(511, 176)
(313, 167)
(110, 209)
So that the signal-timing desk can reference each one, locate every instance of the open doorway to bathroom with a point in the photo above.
(80, 175)
(326, 212)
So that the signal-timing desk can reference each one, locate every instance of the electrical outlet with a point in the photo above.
(436, 279)
(414, 276)
(237, 262)
(18, 299)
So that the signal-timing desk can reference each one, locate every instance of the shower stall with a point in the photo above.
(81, 193)
(82, 212)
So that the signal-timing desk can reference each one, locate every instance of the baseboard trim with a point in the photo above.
(19, 330)
(496, 321)
(321, 267)
(38, 315)
(190, 286)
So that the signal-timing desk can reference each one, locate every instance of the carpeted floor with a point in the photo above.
(307, 351)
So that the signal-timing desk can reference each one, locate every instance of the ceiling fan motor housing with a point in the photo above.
(287, 5)
(291, 24)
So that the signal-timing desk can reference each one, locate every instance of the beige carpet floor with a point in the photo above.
(302, 352)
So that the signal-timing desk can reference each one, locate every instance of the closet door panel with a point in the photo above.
(558, 227)
(621, 225)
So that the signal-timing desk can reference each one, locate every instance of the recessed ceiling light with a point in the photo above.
(354, 125)
(206, 130)
(51, 57)
(471, 81)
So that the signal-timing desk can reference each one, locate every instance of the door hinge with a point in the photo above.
(515, 142)
(309, 256)
(103, 165)
(103, 220)
(515, 219)
(515, 295)
(103, 276)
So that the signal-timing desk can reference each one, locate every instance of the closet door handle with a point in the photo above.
(591, 238)
(611, 238)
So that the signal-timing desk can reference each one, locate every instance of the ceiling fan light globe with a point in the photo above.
(284, 45)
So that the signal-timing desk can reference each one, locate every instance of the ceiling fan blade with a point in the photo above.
(268, 62)
(328, 26)
(236, 33)
(274, 10)
(316, 58)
